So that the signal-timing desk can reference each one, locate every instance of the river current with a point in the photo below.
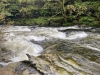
(74, 50)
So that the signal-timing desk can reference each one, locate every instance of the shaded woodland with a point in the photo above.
(50, 12)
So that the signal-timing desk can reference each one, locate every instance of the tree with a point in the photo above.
(13, 7)
(3, 11)
(62, 4)
(56, 7)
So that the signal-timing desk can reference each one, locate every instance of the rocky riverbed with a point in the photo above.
(50, 51)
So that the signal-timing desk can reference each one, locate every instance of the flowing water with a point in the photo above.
(73, 51)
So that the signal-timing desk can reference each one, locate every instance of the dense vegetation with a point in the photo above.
(50, 12)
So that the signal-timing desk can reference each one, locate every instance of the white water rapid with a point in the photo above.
(18, 39)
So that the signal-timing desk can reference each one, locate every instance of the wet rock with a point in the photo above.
(34, 74)
(13, 65)
(5, 71)
(26, 68)
(5, 55)
(9, 69)
(44, 64)
(26, 72)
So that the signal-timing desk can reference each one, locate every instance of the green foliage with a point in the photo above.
(3, 9)
(31, 21)
(96, 7)
(70, 18)
(71, 8)
(43, 12)
(70, 12)
(87, 18)
(80, 8)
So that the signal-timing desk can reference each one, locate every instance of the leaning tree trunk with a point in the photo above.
(62, 2)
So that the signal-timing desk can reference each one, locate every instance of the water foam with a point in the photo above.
(50, 32)
(17, 28)
(70, 27)
(20, 47)
(36, 38)
(76, 35)
(4, 64)
(93, 48)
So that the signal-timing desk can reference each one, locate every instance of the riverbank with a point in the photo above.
(55, 22)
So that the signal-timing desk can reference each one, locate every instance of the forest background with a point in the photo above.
(50, 12)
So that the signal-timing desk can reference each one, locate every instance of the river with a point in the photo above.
(70, 50)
